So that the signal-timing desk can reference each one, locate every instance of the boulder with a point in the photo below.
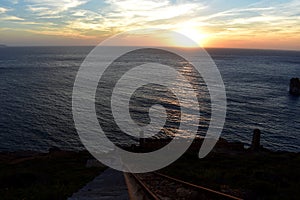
(295, 86)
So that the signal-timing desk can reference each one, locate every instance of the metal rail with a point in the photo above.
(211, 194)
(148, 192)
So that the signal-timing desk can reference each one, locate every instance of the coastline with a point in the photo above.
(240, 172)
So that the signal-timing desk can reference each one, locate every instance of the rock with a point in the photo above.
(255, 145)
(295, 86)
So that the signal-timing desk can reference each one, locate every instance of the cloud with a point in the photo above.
(255, 20)
(109, 17)
(116, 16)
(112, 17)
(39, 24)
(52, 7)
(3, 10)
(145, 10)
(120, 15)
(15, 1)
(11, 18)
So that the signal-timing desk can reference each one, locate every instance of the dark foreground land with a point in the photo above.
(250, 175)
(54, 176)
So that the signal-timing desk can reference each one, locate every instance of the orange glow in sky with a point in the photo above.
(237, 24)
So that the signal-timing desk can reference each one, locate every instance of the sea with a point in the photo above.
(36, 85)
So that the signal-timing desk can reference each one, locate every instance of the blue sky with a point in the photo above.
(216, 23)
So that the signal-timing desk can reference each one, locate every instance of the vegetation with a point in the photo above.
(264, 175)
(48, 176)
(57, 175)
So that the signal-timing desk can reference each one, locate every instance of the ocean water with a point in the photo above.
(36, 86)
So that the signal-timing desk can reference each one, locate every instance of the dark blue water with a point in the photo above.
(36, 96)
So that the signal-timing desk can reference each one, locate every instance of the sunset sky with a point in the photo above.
(211, 23)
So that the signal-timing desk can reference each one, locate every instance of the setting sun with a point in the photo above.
(193, 34)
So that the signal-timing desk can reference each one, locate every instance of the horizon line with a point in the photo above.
(236, 48)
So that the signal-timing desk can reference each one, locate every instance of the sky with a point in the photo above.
(261, 24)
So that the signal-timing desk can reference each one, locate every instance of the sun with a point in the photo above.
(193, 34)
